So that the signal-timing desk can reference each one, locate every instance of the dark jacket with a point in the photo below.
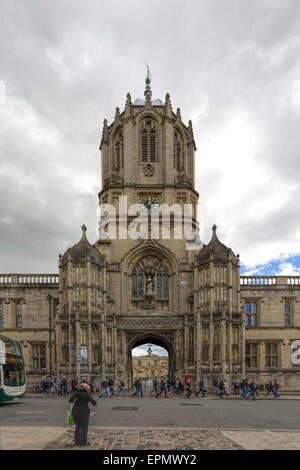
(81, 401)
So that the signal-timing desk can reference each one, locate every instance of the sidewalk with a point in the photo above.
(104, 438)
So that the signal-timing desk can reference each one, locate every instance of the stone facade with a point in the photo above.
(117, 294)
(150, 366)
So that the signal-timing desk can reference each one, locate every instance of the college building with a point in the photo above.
(115, 294)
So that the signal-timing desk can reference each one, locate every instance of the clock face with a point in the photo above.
(149, 201)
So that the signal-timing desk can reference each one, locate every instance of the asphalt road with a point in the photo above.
(161, 412)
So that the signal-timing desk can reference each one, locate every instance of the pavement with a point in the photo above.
(155, 424)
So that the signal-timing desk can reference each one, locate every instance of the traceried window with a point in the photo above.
(148, 141)
(251, 354)
(151, 280)
(118, 162)
(272, 359)
(250, 314)
(178, 152)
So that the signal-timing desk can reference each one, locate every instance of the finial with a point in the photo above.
(214, 228)
(117, 114)
(84, 229)
(148, 91)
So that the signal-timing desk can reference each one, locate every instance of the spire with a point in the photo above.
(84, 229)
(128, 106)
(148, 91)
(168, 107)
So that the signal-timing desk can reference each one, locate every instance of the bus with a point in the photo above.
(12, 370)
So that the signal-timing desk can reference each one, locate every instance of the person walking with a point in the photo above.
(162, 388)
(252, 391)
(276, 389)
(81, 413)
(138, 388)
(64, 386)
(111, 384)
(105, 388)
(222, 388)
(154, 383)
(188, 388)
(180, 388)
(201, 388)
(121, 388)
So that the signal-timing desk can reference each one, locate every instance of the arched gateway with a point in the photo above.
(159, 340)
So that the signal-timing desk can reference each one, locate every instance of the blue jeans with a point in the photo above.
(81, 430)
(138, 390)
(121, 389)
(105, 390)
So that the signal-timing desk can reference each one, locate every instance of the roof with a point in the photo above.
(82, 249)
(219, 250)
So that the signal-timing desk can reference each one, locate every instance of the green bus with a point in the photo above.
(12, 370)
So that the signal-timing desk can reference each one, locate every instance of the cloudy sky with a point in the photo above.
(232, 66)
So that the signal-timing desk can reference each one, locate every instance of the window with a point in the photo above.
(148, 141)
(18, 308)
(150, 280)
(251, 357)
(118, 151)
(178, 152)
(287, 313)
(250, 309)
(272, 355)
(39, 356)
(1, 315)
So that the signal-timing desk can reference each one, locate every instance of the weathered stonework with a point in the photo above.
(115, 295)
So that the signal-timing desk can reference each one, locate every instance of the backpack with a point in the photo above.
(104, 384)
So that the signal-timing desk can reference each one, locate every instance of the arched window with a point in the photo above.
(148, 141)
(150, 278)
(118, 151)
(178, 152)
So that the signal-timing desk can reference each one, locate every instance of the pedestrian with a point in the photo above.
(276, 389)
(138, 388)
(154, 383)
(180, 388)
(270, 387)
(111, 384)
(74, 384)
(245, 386)
(64, 386)
(256, 389)
(162, 388)
(222, 388)
(252, 391)
(216, 387)
(201, 388)
(121, 388)
(236, 385)
(188, 389)
(81, 413)
(105, 388)
(168, 384)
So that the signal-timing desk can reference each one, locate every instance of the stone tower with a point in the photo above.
(126, 291)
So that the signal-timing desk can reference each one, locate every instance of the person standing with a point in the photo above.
(270, 388)
(236, 385)
(81, 413)
(252, 391)
(111, 384)
(216, 386)
(201, 388)
(180, 388)
(276, 389)
(222, 388)
(64, 386)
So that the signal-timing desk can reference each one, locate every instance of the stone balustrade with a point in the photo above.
(255, 281)
(28, 279)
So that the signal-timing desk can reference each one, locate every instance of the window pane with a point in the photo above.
(247, 361)
(247, 320)
(1, 322)
(166, 293)
(159, 286)
(247, 348)
(19, 322)
(1, 309)
(247, 307)
(268, 361)
(134, 286)
(253, 320)
(268, 348)
(287, 320)
(274, 348)
(43, 363)
(18, 309)
(254, 361)
(253, 307)
(287, 307)
(140, 286)
(254, 348)
(274, 361)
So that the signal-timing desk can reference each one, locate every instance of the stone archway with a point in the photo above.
(154, 338)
